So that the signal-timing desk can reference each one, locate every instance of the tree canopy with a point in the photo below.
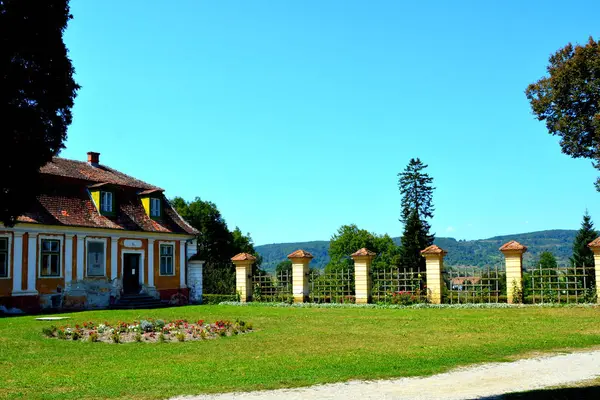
(568, 100)
(416, 208)
(216, 243)
(37, 92)
(349, 238)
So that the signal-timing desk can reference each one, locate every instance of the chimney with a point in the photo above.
(93, 158)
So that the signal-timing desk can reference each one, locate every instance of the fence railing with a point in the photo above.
(331, 287)
(564, 284)
(474, 285)
(398, 286)
(272, 288)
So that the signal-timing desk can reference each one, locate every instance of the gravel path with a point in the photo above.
(463, 383)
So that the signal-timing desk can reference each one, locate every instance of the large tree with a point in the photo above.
(568, 99)
(216, 243)
(37, 91)
(349, 238)
(582, 254)
(416, 209)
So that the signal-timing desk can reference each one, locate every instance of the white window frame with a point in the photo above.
(61, 256)
(155, 211)
(173, 245)
(8, 237)
(95, 240)
(142, 254)
(103, 195)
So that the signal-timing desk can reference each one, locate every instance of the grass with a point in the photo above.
(291, 347)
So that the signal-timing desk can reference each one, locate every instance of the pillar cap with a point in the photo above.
(243, 257)
(594, 244)
(433, 249)
(300, 254)
(363, 253)
(513, 245)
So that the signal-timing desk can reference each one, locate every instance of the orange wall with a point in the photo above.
(166, 282)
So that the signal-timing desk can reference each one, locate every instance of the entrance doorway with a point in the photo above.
(131, 273)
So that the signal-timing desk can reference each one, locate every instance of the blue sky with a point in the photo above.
(295, 117)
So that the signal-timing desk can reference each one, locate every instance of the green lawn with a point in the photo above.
(290, 347)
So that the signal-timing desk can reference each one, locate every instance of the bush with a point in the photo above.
(138, 337)
(93, 337)
(162, 338)
(146, 326)
(75, 335)
(180, 336)
(116, 338)
(209, 299)
(49, 331)
(159, 324)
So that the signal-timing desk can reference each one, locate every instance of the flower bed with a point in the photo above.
(148, 331)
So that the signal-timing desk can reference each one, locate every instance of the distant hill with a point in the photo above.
(460, 252)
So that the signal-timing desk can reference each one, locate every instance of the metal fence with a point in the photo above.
(398, 286)
(564, 284)
(331, 287)
(272, 288)
(474, 285)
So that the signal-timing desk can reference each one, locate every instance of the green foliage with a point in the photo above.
(161, 338)
(283, 267)
(349, 239)
(417, 207)
(583, 256)
(116, 337)
(218, 298)
(216, 243)
(38, 90)
(180, 336)
(93, 337)
(49, 331)
(568, 99)
(547, 261)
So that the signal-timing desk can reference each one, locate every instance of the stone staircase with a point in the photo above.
(133, 301)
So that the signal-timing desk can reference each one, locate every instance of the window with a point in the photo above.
(154, 207)
(95, 258)
(3, 257)
(166, 259)
(50, 258)
(106, 201)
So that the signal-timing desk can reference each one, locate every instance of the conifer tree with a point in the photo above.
(417, 207)
(582, 254)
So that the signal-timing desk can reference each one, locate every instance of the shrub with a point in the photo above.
(116, 338)
(138, 337)
(162, 338)
(159, 324)
(75, 335)
(180, 336)
(49, 331)
(209, 299)
(146, 326)
(93, 337)
(61, 334)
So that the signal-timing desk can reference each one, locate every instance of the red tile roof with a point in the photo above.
(64, 200)
(363, 252)
(513, 245)
(87, 172)
(433, 249)
(243, 257)
(300, 254)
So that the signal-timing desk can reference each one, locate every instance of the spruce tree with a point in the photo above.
(582, 254)
(417, 207)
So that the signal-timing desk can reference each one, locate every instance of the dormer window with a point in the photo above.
(154, 207)
(106, 202)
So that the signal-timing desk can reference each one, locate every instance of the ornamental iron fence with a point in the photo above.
(272, 288)
(331, 287)
(474, 285)
(563, 284)
(398, 286)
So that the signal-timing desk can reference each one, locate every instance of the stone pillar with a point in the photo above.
(68, 259)
(183, 265)
(243, 275)
(194, 279)
(80, 256)
(32, 270)
(595, 246)
(513, 256)
(17, 272)
(434, 265)
(362, 275)
(150, 282)
(300, 269)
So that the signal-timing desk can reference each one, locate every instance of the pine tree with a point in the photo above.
(417, 207)
(582, 254)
